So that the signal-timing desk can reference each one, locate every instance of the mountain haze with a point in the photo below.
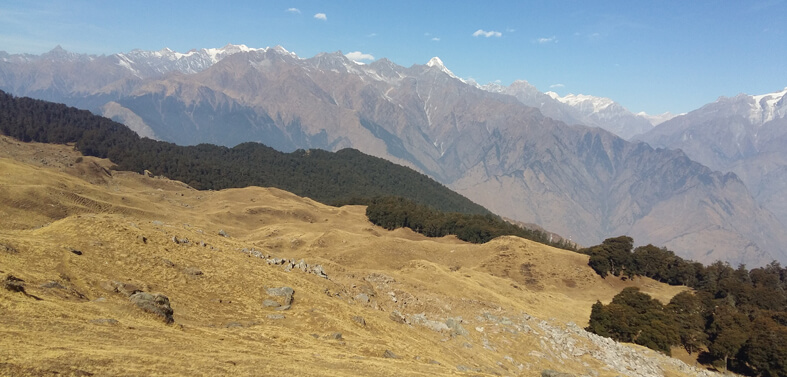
(584, 183)
(745, 134)
(581, 109)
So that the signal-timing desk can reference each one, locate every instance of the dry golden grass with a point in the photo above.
(51, 205)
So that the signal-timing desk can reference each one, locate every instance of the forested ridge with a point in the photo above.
(327, 177)
(395, 212)
(397, 196)
(735, 319)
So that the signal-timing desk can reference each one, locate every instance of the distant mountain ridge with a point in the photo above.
(584, 183)
(745, 134)
(581, 109)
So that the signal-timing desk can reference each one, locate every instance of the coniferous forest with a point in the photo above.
(735, 319)
(332, 178)
(344, 177)
(395, 212)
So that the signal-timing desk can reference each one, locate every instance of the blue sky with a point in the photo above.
(651, 56)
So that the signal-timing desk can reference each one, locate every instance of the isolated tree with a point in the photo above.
(612, 256)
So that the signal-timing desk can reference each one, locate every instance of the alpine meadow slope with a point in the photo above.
(583, 183)
(78, 238)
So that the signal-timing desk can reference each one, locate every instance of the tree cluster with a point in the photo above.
(397, 212)
(736, 318)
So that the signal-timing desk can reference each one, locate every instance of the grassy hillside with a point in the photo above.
(73, 231)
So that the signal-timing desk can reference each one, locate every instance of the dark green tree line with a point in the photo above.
(736, 317)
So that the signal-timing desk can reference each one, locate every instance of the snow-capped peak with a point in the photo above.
(435, 62)
(553, 95)
(145, 63)
(582, 100)
(767, 107)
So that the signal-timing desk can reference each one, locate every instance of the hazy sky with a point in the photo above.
(651, 56)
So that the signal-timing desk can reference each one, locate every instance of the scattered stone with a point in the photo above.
(319, 271)
(184, 240)
(147, 173)
(390, 355)
(455, 326)
(270, 303)
(192, 271)
(14, 284)
(358, 319)
(276, 316)
(157, 223)
(285, 292)
(283, 307)
(254, 253)
(75, 251)
(420, 319)
(233, 325)
(156, 304)
(223, 233)
(434, 362)
(397, 317)
(127, 289)
(142, 239)
(362, 297)
(554, 373)
(167, 262)
(105, 321)
(334, 336)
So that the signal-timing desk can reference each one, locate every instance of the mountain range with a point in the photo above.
(745, 134)
(536, 164)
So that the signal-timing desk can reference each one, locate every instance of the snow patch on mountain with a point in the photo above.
(583, 102)
(767, 107)
(435, 62)
(144, 63)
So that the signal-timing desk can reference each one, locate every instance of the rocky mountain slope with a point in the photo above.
(745, 134)
(583, 183)
(258, 281)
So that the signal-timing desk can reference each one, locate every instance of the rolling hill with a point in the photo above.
(78, 237)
